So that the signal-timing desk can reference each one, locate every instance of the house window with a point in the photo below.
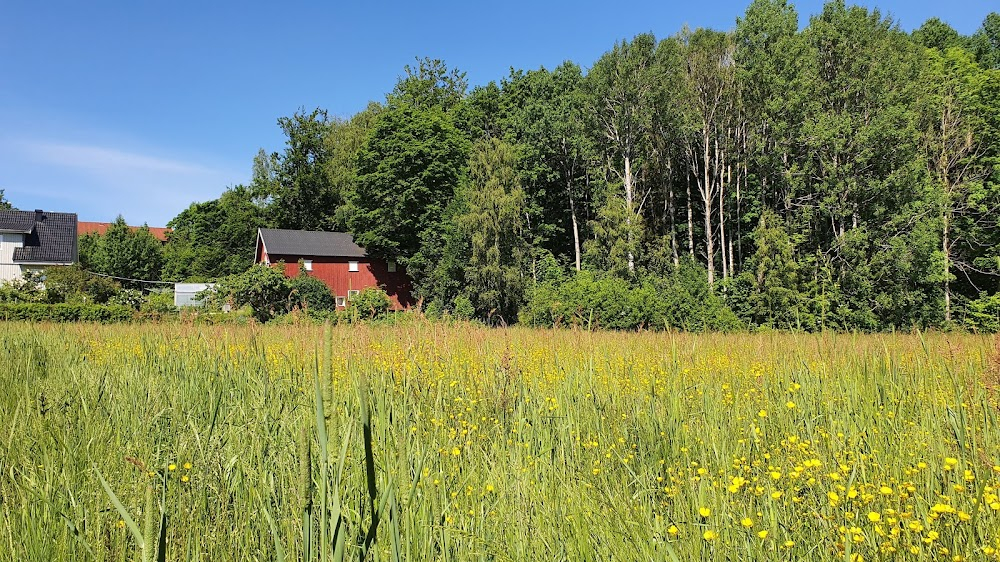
(352, 266)
(341, 302)
(351, 294)
(308, 264)
(392, 266)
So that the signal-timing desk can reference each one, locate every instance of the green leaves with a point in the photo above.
(493, 224)
(124, 252)
(408, 171)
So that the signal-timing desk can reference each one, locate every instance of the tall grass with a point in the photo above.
(427, 442)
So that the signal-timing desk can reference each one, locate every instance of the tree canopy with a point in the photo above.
(845, 175)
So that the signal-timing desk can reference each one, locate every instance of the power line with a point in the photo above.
(129, 279)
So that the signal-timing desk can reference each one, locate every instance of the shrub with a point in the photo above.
(74, 285)
(983, 314)
(65, 312)
(679, 300)
(159, 303)
(132, 298)
(462, 308)
(434, 310)
(371, 302)
(312, 294)
(264, 289)
(22, 290)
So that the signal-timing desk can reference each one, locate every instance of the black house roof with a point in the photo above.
(49, 237)
(309, 243)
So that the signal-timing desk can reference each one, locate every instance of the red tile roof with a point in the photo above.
(82, 227)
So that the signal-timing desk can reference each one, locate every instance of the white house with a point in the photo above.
(31, 240)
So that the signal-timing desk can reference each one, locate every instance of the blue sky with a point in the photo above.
(141, 108)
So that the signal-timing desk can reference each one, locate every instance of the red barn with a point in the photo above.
(335, 259)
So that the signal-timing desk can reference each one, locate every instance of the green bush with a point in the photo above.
(434, 310)
(679, 300)
(983, 314)
(72, 284)
(65, 312)
(159, 303)
(312, 294)
(264, 289)
(132, 298)
(17, 290)
(371, 303)
(463, 308)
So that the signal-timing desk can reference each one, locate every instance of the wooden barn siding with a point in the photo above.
(371, 273)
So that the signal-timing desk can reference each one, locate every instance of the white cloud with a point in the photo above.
(108, 160)
(100, 182)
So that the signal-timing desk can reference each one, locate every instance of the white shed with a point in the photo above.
(185, 293)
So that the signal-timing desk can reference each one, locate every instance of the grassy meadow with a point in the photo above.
(435, 442)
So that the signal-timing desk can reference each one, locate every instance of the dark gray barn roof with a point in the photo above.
(308, 243)
(49, 237)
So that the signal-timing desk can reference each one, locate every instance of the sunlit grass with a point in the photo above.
(496, 444)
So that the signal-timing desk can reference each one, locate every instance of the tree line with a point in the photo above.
(845, 175)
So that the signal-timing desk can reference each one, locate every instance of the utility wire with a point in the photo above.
(129, 278)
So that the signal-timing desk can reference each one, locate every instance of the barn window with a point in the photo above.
(352, 266)
(341, 301)
(351, 294)
(392, 266)
(308, 264)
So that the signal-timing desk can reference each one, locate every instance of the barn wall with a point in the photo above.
(371, 273)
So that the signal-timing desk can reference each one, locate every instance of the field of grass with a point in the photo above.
(430, 442)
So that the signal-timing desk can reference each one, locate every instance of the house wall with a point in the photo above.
(334, 271)
(8, 269)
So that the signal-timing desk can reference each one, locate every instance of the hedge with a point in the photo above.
(65, 312)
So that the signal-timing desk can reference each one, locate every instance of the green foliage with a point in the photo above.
(434, 310)
(264, 289)
(158, 303)
(4, 203)
(681, 300)
(408, 172)
(845, 175)
(690, 304)
(311, 293)
(545, 112)
(493, 223)
(936, 34)
(214, 239)
(297, 183)
(985, 43)
(65, 312)
(462, 307)
(371, 303)
(125, 253)
(430, 84)
(983, 314)
(87, 249)
(27, 289)
(131, 298)
(73, 284)
(773, 273)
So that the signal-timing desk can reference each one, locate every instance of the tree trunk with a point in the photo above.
(673, 226)
(576, 227)
(722, 216)
(690, 211)
(706, 196)
(947, 268)
(629, 211)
